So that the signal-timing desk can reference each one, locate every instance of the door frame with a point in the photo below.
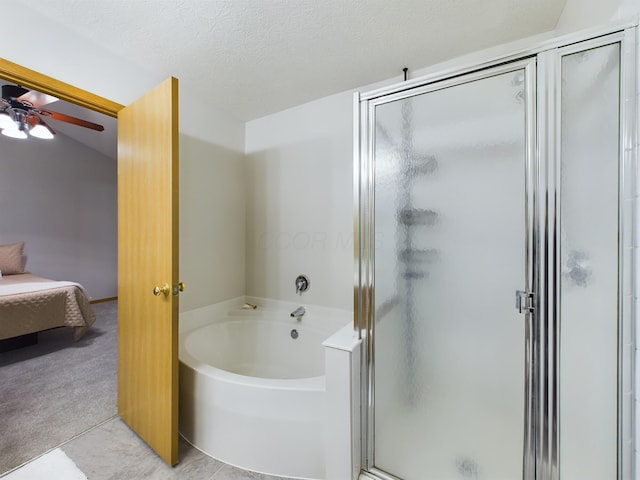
(28, 78)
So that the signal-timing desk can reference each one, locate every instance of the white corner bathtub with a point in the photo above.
(250, 394)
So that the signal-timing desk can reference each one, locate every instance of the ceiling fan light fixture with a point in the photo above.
(6, 121)
(14, 132)
(40, 130)
(20, 126)
(21, 114)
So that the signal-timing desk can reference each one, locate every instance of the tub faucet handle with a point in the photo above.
(302, 284)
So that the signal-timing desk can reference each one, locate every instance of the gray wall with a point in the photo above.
(60, 197)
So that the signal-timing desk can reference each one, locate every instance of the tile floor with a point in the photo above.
(111, 451)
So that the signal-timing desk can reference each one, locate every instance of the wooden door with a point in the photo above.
(148, 257)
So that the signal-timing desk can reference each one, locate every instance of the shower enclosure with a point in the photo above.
(495, 243)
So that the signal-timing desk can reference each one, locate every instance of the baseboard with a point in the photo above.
(100, 300)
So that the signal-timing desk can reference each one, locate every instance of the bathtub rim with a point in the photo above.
(196, 317)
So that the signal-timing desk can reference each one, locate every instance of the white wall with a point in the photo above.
(580, 14)
(206, 135)
(636, 291)
(60, 197)
(212, 223)
(300, 203)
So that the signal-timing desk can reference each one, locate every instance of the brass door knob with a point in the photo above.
(178, 288)
(166, 289)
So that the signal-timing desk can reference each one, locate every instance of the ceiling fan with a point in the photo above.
(21, 112)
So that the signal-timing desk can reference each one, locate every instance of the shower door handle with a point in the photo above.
(525, 301)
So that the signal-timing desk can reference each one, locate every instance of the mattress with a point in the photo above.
(29, 304)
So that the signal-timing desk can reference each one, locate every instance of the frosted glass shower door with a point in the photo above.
(589, 262)
(451, 167)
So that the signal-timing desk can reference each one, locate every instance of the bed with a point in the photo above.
(29, 303)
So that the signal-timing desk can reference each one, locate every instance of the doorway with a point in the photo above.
(147, 330)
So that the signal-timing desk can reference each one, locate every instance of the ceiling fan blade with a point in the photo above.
(37, 99)
(69, 119)
(34, 119)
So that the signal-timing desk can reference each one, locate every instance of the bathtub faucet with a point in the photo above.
(298, 313)
(302, 284)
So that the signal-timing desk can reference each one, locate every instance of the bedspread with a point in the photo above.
(29, 304)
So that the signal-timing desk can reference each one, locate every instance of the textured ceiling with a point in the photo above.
(256, 57)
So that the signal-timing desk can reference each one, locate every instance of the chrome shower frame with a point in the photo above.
(542, 63)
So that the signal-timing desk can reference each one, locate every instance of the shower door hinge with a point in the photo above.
(525, 301)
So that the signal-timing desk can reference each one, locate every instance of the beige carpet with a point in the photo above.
(57, 389)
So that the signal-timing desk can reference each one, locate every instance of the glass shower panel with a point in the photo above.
(589, 206)
(450, 251)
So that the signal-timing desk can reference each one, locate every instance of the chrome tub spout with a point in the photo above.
(298, 312)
